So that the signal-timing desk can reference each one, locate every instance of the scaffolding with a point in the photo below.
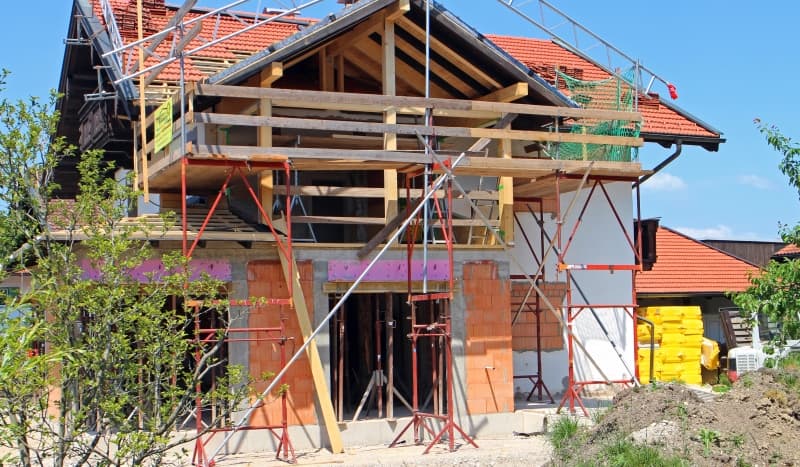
(415, 222)
(438, 329)
(264, 335)
(573, 309)
(536, 379)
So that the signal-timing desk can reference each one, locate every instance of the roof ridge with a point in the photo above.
(711, 247)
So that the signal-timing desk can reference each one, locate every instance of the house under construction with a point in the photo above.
(439, 219)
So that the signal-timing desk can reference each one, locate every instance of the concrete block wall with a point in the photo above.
(488, 352)
(265, 279)
(524, 330)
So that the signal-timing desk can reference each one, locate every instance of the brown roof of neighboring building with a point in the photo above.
(686, 265)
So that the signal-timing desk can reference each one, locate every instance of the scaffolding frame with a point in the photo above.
(200, 457)
(536, 379)
(575, 386)
(280, 432)
(439, 330)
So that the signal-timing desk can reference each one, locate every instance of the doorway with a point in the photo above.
(371, 358)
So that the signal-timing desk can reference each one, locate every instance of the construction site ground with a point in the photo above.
(521, 451)
(755, 423)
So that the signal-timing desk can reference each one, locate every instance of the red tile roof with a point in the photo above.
(685, 265)
(540, 55)
(207, 61)
(788, 250)
(543, 56)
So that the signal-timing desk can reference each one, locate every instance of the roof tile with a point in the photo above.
(685, 265)
(543, 56)
(540, 55)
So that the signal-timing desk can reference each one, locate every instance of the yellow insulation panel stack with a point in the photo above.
(679, 341)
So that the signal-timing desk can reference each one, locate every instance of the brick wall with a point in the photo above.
(265, 279)
(489, 362)
(524, 331)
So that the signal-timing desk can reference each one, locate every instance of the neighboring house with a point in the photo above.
(788, 252)
(327, 112)
(691, 272)
(756, 252)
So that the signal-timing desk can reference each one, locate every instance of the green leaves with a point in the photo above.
(775, 291)
(121, 365)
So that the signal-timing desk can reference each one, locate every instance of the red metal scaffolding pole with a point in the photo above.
(439, 330)
(572, 310)
(285, 450)
(280, 431)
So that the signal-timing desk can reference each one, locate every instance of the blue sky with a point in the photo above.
(731, 62)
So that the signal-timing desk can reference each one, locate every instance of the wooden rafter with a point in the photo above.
(449, 54)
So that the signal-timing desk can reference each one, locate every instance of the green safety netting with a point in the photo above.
(608, 94)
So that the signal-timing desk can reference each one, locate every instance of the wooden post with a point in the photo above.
(142, 113)
(340, 73)
(317, 371)
(506, 189)
(389, 117)
(265, 181)
(325, 70)
(584, 152)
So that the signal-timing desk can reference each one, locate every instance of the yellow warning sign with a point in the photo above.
(163, 125)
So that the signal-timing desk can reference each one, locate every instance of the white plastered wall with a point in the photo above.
(599, 239)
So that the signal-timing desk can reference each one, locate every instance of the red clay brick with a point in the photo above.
(476, 406)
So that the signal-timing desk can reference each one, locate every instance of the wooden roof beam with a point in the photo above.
(404, 72)
(436, 68)
(372, 68)
(449, 54)
(507, 94)
(408, 129)
(358, 33)
(377, 100)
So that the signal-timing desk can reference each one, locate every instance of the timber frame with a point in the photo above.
(354, 103)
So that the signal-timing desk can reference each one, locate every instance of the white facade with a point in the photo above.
(606, 334)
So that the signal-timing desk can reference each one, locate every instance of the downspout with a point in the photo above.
(664, 163)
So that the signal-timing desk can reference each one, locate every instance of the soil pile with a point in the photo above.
(756, 423)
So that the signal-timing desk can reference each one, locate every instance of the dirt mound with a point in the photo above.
(756, 423)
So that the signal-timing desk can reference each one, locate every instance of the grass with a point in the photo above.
(625, 453)
(791, 361)
(746, 380)
(724, 384)
(708, 437)
(563, 432)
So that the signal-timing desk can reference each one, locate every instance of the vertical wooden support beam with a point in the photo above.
(506, 189)
(325, 70)
(340, 73)
(390, 117)
(142, 113)
(317, 372)
(268, 76)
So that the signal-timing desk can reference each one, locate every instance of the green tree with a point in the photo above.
(775, 291)
(118, 374)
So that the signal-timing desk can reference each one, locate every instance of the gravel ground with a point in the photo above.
(517, 451)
